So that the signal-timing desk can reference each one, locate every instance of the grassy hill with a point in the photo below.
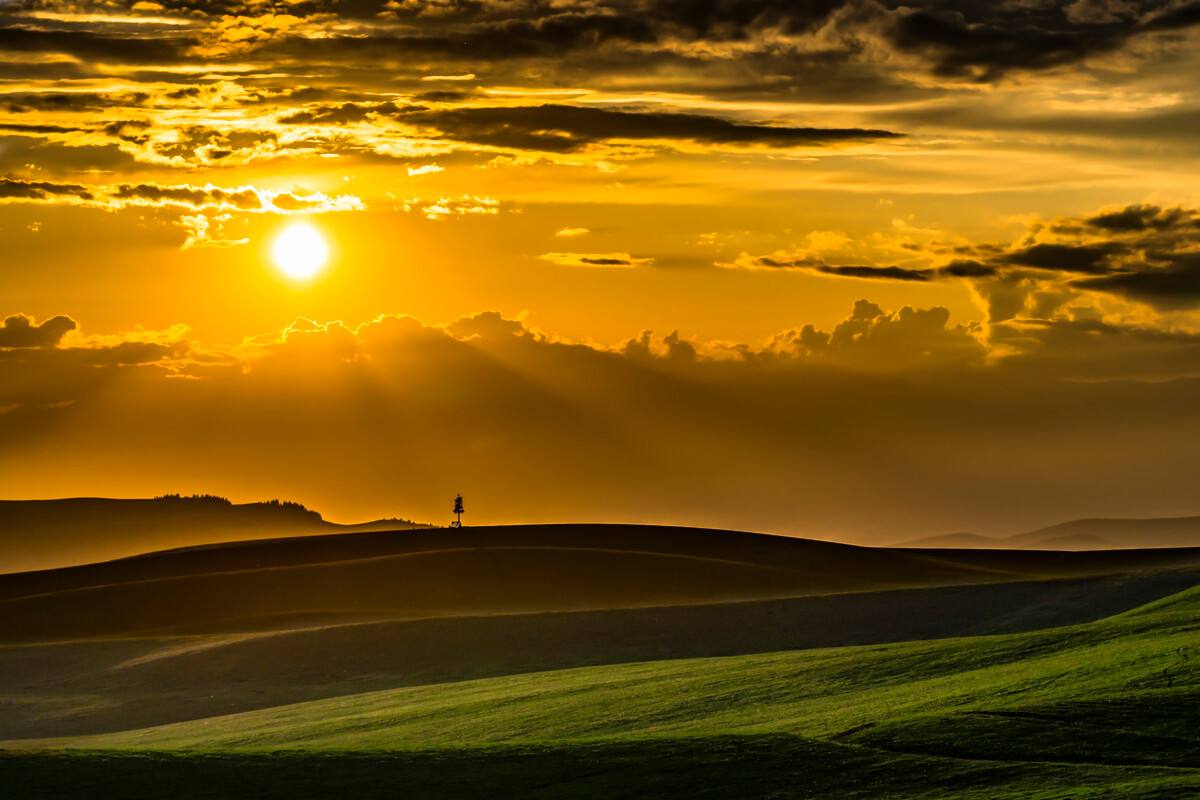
(1101, 709)
(247, 586)
(44, 534)
(601, 661)
(55, 689)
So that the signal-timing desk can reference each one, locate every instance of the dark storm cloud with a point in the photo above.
(1146, 253)
(1181, 15)
(989, 45)
(1174, 284)
(1140, 252)
(967, 269)
(983, 39)
(888, 273)
(107, 48)
(605, 262)
(843, 271)
(18, 127)
(986, 40)
(444, 96)
(1088, 258)
(22, 102)
(245, 199)
(19, 330)
(344, 113)
(561, 128)
(977, 40)
(955, 269)
(549, 35)
(12, 189)
(1141, 218)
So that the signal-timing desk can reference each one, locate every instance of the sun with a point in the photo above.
(300, 251)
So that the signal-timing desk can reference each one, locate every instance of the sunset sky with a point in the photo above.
(852, 268)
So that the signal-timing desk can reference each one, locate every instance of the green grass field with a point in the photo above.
(1106, 709)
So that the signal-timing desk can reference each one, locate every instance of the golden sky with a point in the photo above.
(845, 267)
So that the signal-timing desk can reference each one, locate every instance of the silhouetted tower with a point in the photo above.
(458, 512)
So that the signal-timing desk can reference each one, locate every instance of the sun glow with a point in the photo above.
(300, 251)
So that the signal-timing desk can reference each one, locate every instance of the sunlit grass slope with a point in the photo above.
(869, 694)
(105, 685)
(1104, 709)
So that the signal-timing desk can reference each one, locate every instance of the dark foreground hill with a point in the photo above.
(601, 661)
(43, 534)
(1103, 710)
(273, 584)
(99, 685)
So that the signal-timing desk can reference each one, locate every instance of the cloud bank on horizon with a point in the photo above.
(889, 423)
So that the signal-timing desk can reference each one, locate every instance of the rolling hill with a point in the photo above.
(271, 584)
(1102, 709)
(44, 534)
(52, 689)
(600, 660)
(185, 633)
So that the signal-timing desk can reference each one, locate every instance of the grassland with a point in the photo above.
(1104, 709)
(248, 586)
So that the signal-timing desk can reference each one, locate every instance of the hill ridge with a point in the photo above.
(516, 568)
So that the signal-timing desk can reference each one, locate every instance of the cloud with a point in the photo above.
(563, 129)
(841, 271)
(984, 41)
(1087, 258)
(915, 408)
(26, 102)
(838, 46)
(1142, 253)
(872, 337)
(248, 199)
(208, 231)
(783, 262)
(596, 259)
(13, 189)
(560, 128)
(1136, 218)
(239, 34)
(446, 207)
(96, 47)
(424, 169)
(1173, 285)
(342, 114)
(19, 330)
(981, 41)
(570, 233)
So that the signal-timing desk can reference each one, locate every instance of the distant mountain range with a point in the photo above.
(1080, 534)
(42, 534)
